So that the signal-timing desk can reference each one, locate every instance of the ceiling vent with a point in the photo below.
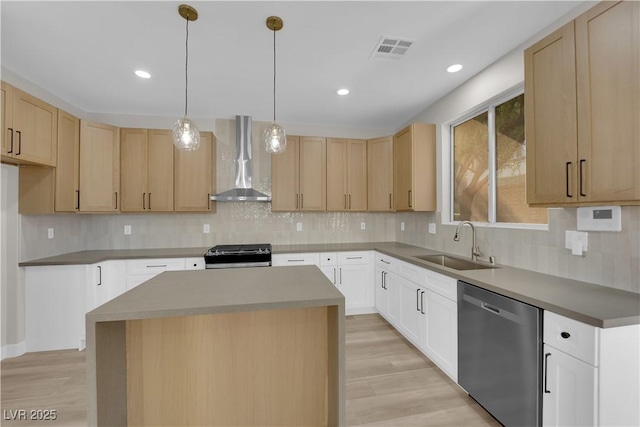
(391, 48)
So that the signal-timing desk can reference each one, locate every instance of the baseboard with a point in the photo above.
(354, 311)
(13, 350)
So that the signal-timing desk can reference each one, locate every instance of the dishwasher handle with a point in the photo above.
(489, 307)
(497, 311)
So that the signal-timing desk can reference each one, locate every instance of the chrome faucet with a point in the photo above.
(475, 251)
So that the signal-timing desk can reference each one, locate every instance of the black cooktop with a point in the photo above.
(244, 249)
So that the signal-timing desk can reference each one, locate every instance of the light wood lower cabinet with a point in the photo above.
(99, 167)
(194, 178)
(147, 170)
(380, 174)
(583, 110)
(415, 168)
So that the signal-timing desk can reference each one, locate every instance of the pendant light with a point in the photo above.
(185, 133)
(275, 139)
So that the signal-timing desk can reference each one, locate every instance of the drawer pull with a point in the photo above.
(354, 257)
(156, 266)
(386, 262)
(295, 260)
(565, 335)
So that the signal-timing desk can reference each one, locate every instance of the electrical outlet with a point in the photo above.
(206, 228)
(127, 230)
(432, 228)
(50, 233)
(299, 226)
(402, 226)
(363, 226)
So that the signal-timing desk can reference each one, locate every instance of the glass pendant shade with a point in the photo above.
(275, 139)
(186, 135)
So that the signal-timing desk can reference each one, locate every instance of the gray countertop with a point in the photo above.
(187, 293)
(592, 304)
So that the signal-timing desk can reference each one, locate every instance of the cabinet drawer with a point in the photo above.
(295, 259)
(574, 338)
(414, 273)
(328, 259)
(385, 261)
(194, 263)
(353, 258)
(442, 285)
(154, 265)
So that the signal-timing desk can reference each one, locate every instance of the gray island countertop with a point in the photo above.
(596, 305)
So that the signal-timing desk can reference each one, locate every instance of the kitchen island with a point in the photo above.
(251, 346)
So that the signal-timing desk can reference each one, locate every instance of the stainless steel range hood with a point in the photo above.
(243, 192)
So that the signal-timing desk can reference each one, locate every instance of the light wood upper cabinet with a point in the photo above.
(313, 173)
(582, 95)
(415, 168)
(146, 163)
(357, 175)
(380, 174)
(99, 167)
(194, 178)
(67, 172)
(30, 128)
(285, 172)
(346, 174)
(299, 175)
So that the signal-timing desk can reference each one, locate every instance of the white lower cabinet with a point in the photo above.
(141, 270)
(441, 332)
(310, 258)
(351, 273)
(105, 281)
(569, 396)
(412, 320)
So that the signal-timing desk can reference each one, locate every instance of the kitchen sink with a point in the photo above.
(454, 263)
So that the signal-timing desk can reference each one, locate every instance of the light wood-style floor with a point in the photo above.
(389, 383)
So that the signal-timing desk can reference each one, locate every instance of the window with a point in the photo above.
(489, 166)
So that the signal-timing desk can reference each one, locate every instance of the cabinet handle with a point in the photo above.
(77, 199)
(334, 275)
(546, 371)
(384, 280)
(301, 201)
(149, 201)
(422, 302)
(417, 299)
(386, 262)
(340, 275)
(345, 201)
(99, 275)
(143, 197)
(116, 200)
(409, 193)
(566, 171)
(390, 205)
(297, 200)
(208, 201)
(11, 149)
(19, 142)
(565, 335)
(349, 201)
(581, 163)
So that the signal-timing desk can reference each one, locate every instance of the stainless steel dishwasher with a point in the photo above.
(500, 355)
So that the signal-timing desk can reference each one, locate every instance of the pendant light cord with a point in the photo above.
(186, 70)
(274, 75)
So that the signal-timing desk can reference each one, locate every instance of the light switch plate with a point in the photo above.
(432, 228)
(50, 233)
(363, 226)
(402, 226)
(206, 228)
(299, 226)
(570, 236)
(127, 230)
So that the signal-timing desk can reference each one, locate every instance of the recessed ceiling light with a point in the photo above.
(143, 74)
(454, 68)
(343, 91)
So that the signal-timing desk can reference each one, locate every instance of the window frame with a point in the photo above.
(488, 106)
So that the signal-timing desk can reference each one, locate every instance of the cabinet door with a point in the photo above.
(133, 169)
(608, 82)
(569, 395)
(160, 171)
(380, 174)
(354, 281)
(411, 320)
(331, 273)
(67, 196)
(99, 167)
(285, 190)
(381, 293)
(313, 173)
(35, 126)
(441, 332)
(7, 132)
(403, 170)
(356, 175)
(336, 174)
(550, 118)
(393, 286)
(194, 177)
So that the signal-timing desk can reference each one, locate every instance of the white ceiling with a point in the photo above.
(85, 53)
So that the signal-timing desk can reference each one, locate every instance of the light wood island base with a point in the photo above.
(268, 363)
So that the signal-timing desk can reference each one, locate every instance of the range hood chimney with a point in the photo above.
(243, 192)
